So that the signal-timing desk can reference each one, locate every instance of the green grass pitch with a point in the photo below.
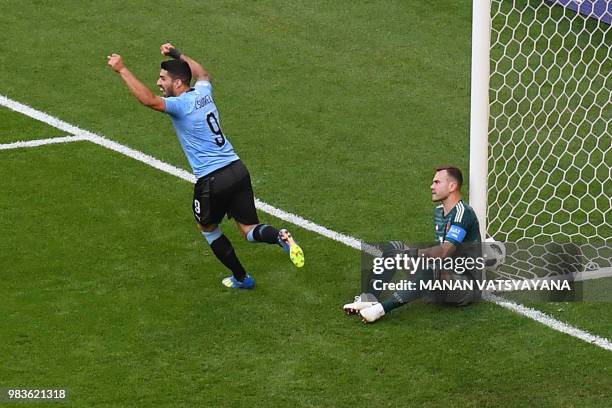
(340, 110)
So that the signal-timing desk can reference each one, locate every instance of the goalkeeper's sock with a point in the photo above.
(393, 302)
(400, 298)
(263, 233)
(224, 251)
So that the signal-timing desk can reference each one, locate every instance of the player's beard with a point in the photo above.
(166, 92)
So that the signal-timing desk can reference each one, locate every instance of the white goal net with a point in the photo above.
(550, 154)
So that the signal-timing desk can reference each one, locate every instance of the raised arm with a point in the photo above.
(197, 71)
(138, 89)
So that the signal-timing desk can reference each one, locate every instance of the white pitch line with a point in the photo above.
(533, 314)
(40, 142)
(551, 322)
(39, 115)
(187, 176)
(170, 169)
(141, 157)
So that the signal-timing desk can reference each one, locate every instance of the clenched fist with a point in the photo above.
(115, 62)
(165, 48)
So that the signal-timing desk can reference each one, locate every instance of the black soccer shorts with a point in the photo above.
(455, 297)
(228, 191)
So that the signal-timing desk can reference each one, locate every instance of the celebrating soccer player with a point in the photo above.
(223, 182)
(458, 233)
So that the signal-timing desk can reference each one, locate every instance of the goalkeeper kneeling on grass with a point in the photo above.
(458, 235)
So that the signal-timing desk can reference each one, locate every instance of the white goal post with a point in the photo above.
(540, 143)
(540, 138)
(479, 112)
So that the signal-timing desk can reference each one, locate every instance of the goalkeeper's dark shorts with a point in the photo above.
(449, 297)
(454, 297)
(227, 190)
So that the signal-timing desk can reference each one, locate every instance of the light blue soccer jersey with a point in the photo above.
(196, 120)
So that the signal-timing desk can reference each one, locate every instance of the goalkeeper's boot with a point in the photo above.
(231, 282)
(286, 241)
(361, 302)
(372, 313)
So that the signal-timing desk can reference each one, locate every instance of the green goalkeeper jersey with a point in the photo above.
(459, 226)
